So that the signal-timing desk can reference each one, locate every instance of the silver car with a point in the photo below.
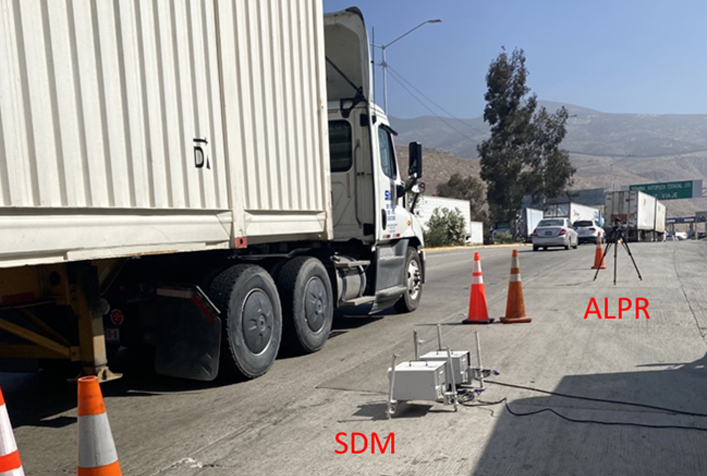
(554, 232)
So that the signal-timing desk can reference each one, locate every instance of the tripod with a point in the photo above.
(618, 234)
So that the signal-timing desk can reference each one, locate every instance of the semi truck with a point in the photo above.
(641, 216)
(208, 179)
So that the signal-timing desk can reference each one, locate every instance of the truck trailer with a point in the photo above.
(209, 179)
(573, 211)
(428, 204)
(641, 216)
(527, 222)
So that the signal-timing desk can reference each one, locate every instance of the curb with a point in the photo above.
(474, 247)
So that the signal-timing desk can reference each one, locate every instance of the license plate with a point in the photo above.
(548, 233)
(112, 335)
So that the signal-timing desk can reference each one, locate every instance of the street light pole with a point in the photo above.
(384, 64)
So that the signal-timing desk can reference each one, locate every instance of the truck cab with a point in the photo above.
(372, 204)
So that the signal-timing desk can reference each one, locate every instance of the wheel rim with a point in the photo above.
(258, 321)
(414, 280)
(316, 304)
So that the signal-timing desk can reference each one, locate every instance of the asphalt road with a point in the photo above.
(286, 422)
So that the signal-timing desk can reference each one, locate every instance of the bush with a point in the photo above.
(445, 228)
(503, 238)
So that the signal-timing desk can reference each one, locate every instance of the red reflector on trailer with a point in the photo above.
(117, 317)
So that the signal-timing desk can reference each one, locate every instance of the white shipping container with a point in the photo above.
(636, 209)
(645, 210)
(571, 210)
(476, 233)
(129, 126)
(660, 216)
(427, 205)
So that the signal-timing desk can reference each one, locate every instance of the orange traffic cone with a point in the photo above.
(96, 455)
(599, 255)
(478, 311)
(515, 308)
(10, 463)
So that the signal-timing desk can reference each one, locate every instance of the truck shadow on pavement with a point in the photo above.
(35, 399)
(614, 442)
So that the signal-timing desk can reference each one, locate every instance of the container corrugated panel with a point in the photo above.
(659, 216)
(274, 52)
(211, 111)
(645, 208)
(102, 103)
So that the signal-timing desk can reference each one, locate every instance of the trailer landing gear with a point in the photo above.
(84, 299)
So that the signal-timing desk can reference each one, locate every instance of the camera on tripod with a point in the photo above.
(612, 239)
(616, 231)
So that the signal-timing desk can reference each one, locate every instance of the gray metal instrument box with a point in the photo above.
(461, 361)
(419, 380)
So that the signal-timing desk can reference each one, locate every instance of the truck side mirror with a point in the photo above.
(415, 167)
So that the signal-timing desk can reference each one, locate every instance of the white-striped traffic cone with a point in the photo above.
(96, 455)
(10, 464)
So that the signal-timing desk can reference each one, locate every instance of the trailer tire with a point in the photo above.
(307, 303)
(252, 319)
(410, 300)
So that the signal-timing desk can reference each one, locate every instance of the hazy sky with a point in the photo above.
(615, 56)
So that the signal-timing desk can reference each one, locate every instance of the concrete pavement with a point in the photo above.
(286, 422)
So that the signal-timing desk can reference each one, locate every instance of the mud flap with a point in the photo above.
(189, 343)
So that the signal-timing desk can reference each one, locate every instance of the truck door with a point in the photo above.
(392, 215)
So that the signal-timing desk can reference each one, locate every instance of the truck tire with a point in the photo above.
(252, 319)
(307, 303)
(413, 279)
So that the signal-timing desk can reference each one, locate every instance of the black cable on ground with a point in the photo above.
(601, 400)
(601, 422)
(466, 396)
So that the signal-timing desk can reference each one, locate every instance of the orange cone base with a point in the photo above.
(112, 469)
(603, 266)
(487, 321)
(516, 320)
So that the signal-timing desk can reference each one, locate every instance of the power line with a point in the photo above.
(400, 76)
(431, 111)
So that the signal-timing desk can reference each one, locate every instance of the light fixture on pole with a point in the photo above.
(384, 65)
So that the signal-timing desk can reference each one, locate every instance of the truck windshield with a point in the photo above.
(340, 146)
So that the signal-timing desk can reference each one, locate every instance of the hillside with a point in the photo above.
(438, 166)
(608, 150)
(588, 132)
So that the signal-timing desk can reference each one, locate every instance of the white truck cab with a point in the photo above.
(369, 196)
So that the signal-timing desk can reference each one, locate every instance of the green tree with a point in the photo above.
(465, 188)
(522, 155)
(550, 168)
(445, 228)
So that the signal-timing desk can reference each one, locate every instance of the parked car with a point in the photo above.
(554, 232)
(588, 231)
(681, 235)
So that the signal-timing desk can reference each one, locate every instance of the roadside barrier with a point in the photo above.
(478, 309)
(599, 255)
(515, 307)
(96, 455)
(10, 464)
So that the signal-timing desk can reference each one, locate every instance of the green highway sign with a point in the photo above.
(671, 190)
